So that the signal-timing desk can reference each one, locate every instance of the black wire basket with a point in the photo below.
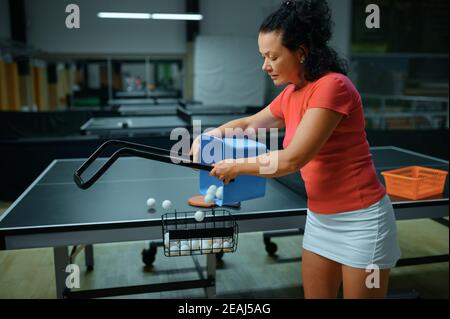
(184, 236)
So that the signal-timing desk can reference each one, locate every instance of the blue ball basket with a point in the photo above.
(213, 150)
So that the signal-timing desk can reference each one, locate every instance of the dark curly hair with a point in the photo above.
(307, 23)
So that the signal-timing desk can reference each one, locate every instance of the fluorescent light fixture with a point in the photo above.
(124, 15)
(156, 16)
(170, 16)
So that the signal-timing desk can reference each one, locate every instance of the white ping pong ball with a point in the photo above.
(185, 250)
(167, 239)
(151, 202)
(217, 248)
(167, 204)
(212, 190)
(174, 250)
(227, 246)
(199, 216)
(195, 244)
(209, 199)
(219, 193)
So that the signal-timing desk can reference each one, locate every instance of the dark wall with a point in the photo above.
(45, 124)
(429, 142)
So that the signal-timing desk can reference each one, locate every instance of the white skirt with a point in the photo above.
(358, 239)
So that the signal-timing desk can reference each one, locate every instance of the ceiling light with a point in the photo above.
(124, 15)
(156, 16)
(170, 16)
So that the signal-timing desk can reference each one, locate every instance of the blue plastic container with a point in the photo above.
(213, 150)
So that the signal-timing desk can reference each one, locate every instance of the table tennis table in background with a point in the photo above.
(173, 109)
(53, 212)
(165, 101)
(212, 121)
(132, 125)
(143, 101)
(153, 125)
(120, 102)
(202, 109)
(148, 110)
(141, 94)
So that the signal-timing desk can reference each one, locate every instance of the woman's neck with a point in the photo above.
(302, 82)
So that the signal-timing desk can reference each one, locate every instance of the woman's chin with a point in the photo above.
(277, 82)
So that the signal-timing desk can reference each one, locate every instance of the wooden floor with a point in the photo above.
(248, 273)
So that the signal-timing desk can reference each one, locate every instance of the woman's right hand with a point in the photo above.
(195, 147)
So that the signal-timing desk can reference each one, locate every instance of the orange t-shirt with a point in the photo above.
(342, 176)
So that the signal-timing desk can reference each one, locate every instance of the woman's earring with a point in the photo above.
(302, 61)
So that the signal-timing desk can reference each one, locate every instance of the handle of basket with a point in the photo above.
(128, 148)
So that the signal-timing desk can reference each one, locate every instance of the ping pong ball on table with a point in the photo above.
(151, 202)
(167, 204)
(199, 216)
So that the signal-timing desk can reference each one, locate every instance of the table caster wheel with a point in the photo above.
(219, 256)
(271, 248)
(149, 255)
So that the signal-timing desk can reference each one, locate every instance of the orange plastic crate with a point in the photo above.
(415, 182)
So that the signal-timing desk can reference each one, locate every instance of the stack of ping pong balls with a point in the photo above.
(177, 247)
(174, 250)
(206, 246)
(195, 244)
(185, 248)
(212, 193)
(222, 244)
(173, 245)
(216, 245)
(227, 244)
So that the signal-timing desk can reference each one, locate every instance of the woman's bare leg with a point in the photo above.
(321, 277)
(360, 284)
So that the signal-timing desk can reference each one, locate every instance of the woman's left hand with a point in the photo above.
(225, 170)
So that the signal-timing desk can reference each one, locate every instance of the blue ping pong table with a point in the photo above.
(53, 212)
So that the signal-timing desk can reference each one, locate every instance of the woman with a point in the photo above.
(350, 222)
